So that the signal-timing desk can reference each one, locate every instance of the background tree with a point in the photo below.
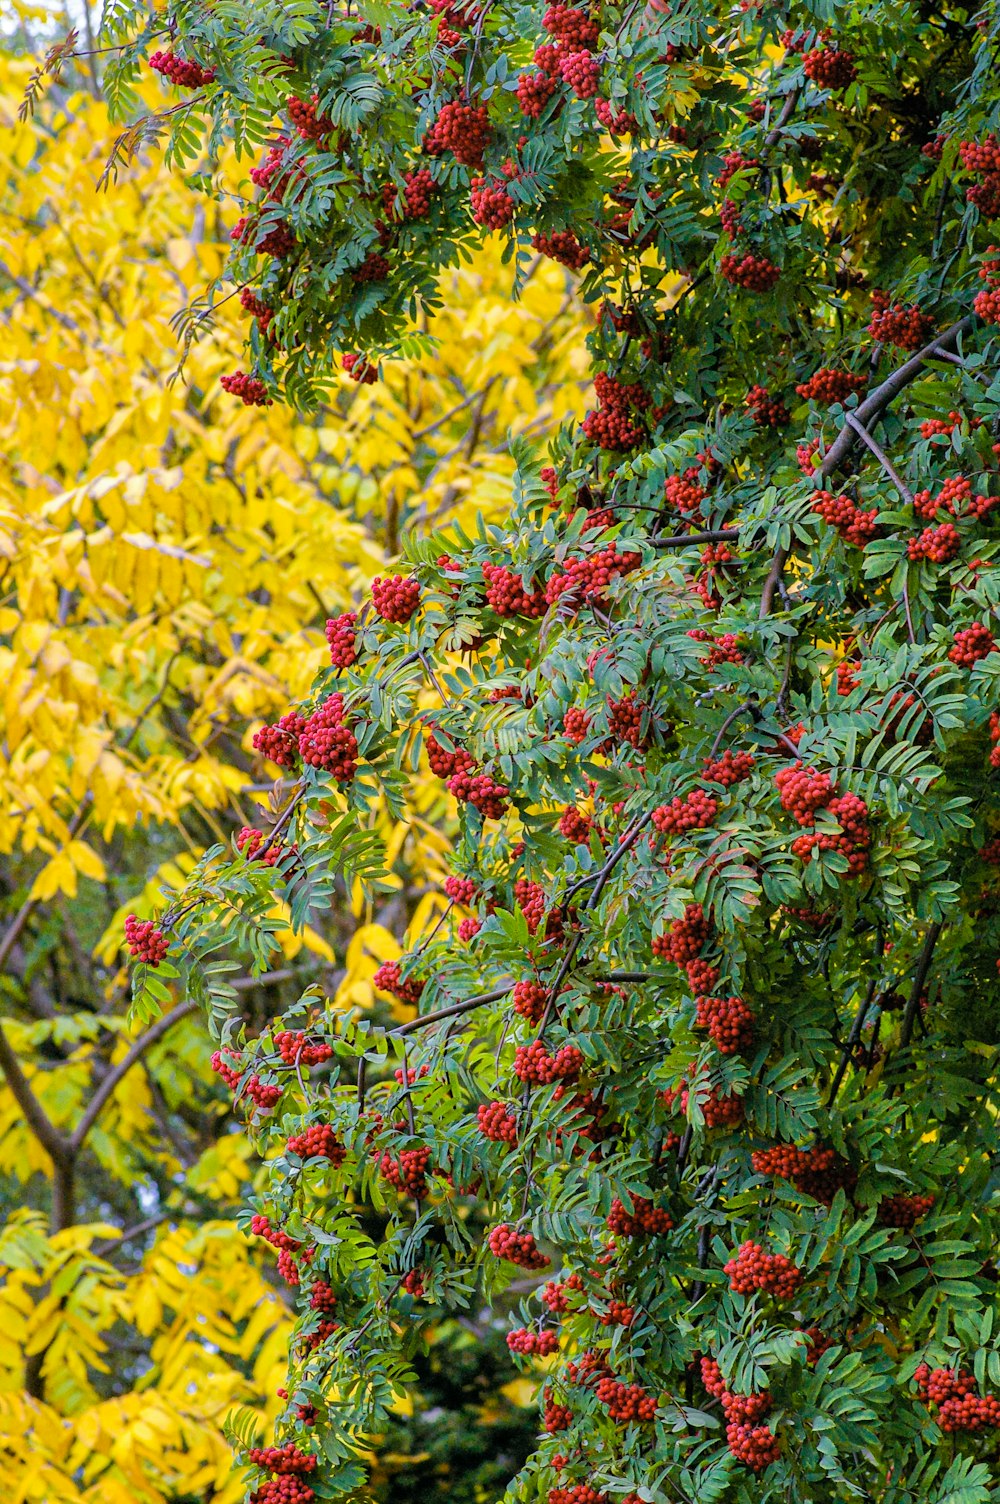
(167, 567)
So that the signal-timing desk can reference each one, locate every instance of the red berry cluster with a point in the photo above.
(625, 1402)
(307, 120)
(803, 791)
(496, 1123)
(532, 1344)
(581, 71)
(984, 158)
(847, 675)
(408, 1173)
(318, 1142)
(562, 246)
(415, 196)
(445, 764)
(684, 939)
(482, 791)
(341, 639)
(231, 1074)
(532, 1062)
(617, 1314)
(573, 28)
(256, 308)
(145, 941)
(625, 718)
(576, 724)
(326, 741)
(818, 1172)
(374, 268)
(938, 545)
(506, 594)
(250, 389)
(590, 576)
(322, 1297)
(578, 1493)
(755, 273)
(971, 644)
(987, 302)
(768, 411)
(491, 203)
(292, 1045)
(729, 1023)
(556, 1418)
(829, 67)
(462, 129)
(954, 1394)
(644, 1220)
(853, 525)
(461, 890)
(181, 70)
(359, 368)
(283, 1491)
(718, 1112)
(529, 1000)
(534, 90)
(894, 324)
(725, 649)
(752, 1269)
(530, 899)
(697, 811)
(280, 743)
(517, 1248)
(830, 386)
(287, 1459)
(388, 979)
(618, 122)
(575, 826)
(395, 598)
(260, 1227)
(730, 768)
(904, 1211)
(251, 841)
(616, 422)
(413, 1283)
(264, 1093)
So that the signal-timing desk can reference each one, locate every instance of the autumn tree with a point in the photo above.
(168, 562)
(704, 1057)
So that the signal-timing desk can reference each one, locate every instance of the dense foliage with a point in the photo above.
(145, 633)
(704, 1057)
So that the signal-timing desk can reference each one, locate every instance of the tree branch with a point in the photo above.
(38, 1120)
(97, 1102)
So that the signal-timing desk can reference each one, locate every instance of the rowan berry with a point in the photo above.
(482, 791)
(507, 594)
(181, 71)
(251, 841)
(307, 120)
(532, 1344)
(532, 1062)
(829, 67)
(327, 741)
(752, 1269)
(462, 129)
(582, 72)
(251, 391)
(359, 368)
(971, 644)
(904, 1211)
(803, 791)
(729, 1023)
(319, 1141)
(938, 545)
(562, 246)
(768, 411)
(617, 122)
(407, 1173)
(496, 1123)
(529, 1000)
(517, 1248)
(830, 386)
(230, 1074)
(395, 598)
(342, 640)
(287, 1459)
(145, 942)
(695, 812)
(644, 1220)
(755, 273)
(894, 324)
(576, 724)
(389, 979)
(444, 764)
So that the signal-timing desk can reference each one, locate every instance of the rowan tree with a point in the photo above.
(147, 630)
(705, 1057)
